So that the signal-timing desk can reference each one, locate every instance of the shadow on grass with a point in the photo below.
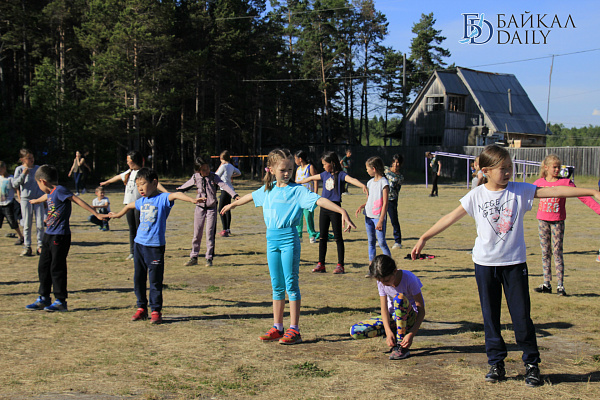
(565, 378)
(584, 295)
(94, 244)
(94, 290)
(588, 252)
(17, 283)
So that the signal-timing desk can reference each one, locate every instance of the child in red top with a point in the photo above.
(551, 217)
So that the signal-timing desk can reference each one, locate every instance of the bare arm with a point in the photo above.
(440, 226)
(312, 178)
(312, 172)
(384, 208)
(357, 183)
(331, 206)
(39, 199)
(130, 206)
(408, 338)
(239, 202)
(181, 196)
(114, 179)
(565, 191)
(87, 207)
(162, 188)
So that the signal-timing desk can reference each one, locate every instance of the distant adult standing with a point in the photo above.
(435, 167)
(77, 171)
(395, 179)
(346, 162)
(226, 171)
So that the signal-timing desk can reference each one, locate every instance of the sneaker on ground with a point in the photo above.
(208, 262)
(598, 258)
(11, 235)
(560, 290)
(397, 246)
(532, 376)
(291, 336)
(39, 304)
(58, 305)
(496, 373)
(141, 314)
(38, 251)
(83, 191)
(156, 317)
(399, 353)
(27, 252)
(339, 269)
(543, 288)
(129, 257)
(191, 261)
(272, 334)
(319, 268)
(19, 242)
(105, 228)
(224, 233)
(312, 240)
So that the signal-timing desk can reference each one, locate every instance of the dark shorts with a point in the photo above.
(8, 212)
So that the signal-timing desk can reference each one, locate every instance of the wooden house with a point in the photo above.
(464, 107)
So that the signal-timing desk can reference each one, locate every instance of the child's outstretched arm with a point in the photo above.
(331, 206)
(440, 226)
(239, 202)
(87, 207)
(180, 196)
(114, 179)
(39, 199)
(357, 183)
(309, 179)
(130, 206)
(566, 191)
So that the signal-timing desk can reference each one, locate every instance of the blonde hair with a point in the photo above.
(550, 159)
(491, 157)
(273, 159)
(377, 163)
(225, 155)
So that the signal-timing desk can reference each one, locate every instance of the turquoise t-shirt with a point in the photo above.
(154, 212)
(282, 206)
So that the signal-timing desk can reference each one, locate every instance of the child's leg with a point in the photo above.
(516, 290)
(336, 226)
(404, 315)
(199, 221)
(27, 213)
(277, 279)
(324, 221)
(140, 274)
(300, 226)
(381, 238)
(370, 328)
(156, 271)
(59, 246)
(44, 268)
(489, 286)
(224, 200)
(393, 214)
(371, 238)
(545, 243)
(310, 223)
(40, 215)
(558, 234)
(290, 263)
(211, 231)
(133, 221)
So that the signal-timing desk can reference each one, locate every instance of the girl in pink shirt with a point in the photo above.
(551, 217)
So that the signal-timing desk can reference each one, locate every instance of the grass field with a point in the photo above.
(208, 347)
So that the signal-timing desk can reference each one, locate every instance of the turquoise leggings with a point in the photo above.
(403, 318)
(283, 256)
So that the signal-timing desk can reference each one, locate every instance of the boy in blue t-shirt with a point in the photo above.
(52, 267)
(149, 247)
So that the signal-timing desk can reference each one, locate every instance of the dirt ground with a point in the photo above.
(208, 348)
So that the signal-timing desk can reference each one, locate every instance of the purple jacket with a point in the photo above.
(207, 187)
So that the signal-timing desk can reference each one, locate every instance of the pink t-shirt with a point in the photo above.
(553, 208)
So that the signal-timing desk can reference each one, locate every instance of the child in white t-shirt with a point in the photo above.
(102, 206)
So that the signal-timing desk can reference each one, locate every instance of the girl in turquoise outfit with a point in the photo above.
(282, 204)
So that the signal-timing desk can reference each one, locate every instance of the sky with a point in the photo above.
(575, 80)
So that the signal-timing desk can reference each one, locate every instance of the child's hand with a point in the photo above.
(25, 170)
(112, 215)
(379, 226)
(199, 200)
(34, 201)
(227, 208)
(390, 339)
(103, 216)
(347, 222)
(359, 210)
(365, 190)
(407, 340)
(417, 249)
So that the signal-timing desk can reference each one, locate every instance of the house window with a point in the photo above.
(434, 104)
(456, 103)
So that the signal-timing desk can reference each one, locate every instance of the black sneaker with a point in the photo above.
(497, 373)
(543, 288)
(532, 376)
(560, 290)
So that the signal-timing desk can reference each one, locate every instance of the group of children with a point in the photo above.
(497, 204)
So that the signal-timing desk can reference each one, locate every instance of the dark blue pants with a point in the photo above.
(78, 177)
(515, 281)
(148, 262)
(393, 214)
(52, 265)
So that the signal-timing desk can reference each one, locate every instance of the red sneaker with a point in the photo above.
(224, 233)
(339, 269)
(156, 317)
(272, 334)
(291, 336)
(140, 315)
(320, 268)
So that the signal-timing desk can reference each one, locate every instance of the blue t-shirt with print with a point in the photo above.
(154, 212)
(282, 206)
(332, 185)
(59, 211)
